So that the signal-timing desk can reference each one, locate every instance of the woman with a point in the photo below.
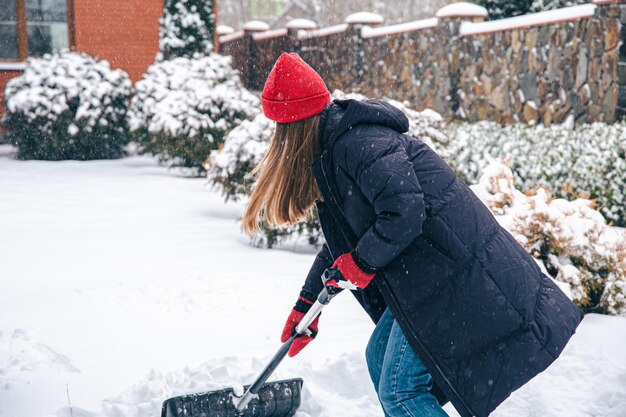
(463, 313)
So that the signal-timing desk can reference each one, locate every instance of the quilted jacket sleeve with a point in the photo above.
(382, 170)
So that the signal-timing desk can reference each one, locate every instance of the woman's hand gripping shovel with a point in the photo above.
(260, 399)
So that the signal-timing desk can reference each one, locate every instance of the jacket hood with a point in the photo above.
(339, 116)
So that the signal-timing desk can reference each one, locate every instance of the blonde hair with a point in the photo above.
(285, 190)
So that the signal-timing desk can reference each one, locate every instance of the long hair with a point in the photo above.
(285, 190)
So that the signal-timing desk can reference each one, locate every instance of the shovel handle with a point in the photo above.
(323, 299)
(313, 312)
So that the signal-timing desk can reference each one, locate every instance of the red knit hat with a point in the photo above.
(293, 91)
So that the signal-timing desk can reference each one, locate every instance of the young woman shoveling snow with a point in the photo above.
(463, 313)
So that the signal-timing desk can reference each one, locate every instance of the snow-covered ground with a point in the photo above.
(123, 284)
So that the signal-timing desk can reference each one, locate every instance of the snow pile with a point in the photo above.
(342, 386)
(570, 239)
(461, 9)
(184, 107)
(186, 28)
(19, 354)
(68, 106)
(324, 387)
(364, 17)
(586, 161)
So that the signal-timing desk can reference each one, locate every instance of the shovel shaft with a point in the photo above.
(265, 374)
(322, 300)
(306, 321)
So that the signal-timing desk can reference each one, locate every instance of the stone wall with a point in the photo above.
(542, 73)
(534, 68)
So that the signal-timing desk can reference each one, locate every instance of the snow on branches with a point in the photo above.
(243, 149)
(184, 107)
(187, 28)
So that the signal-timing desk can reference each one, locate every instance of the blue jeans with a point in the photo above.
(401, 380)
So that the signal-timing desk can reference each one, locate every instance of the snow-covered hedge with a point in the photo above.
(68, 106)
(184, 107)
(569, 239)
(242, 150)
(589, 160)
(305, 233)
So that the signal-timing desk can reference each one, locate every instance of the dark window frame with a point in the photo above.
(22, 34)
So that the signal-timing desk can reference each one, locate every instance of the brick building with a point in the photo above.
(125, 33)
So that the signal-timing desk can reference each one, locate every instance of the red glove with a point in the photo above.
(304, 303)
(354, 273)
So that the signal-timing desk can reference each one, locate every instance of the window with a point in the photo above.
(32, 27)
(8, 30)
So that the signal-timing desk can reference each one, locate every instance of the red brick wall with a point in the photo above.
(5, 76)
(125, 33)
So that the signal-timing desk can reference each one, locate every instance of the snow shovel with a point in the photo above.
(260, 399)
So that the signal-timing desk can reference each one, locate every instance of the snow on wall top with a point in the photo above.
(12, 66)
(269, 34)
(231, 37)
(256, 25)
(330, 30)
(224, 30)
(462, 9)
(528, 20)
(364, 17)
(301, 24)
(369, 32)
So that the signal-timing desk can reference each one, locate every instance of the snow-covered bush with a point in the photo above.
(588, 161)
(68, 106)
(186, 28)
(242, 150)
(570, 240)
(184, 107)
(308, 232)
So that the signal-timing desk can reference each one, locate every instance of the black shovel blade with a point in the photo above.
(275, 399)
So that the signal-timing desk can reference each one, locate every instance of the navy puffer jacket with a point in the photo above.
(473, 304)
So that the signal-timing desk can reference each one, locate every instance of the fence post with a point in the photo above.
(621, 66)
(294, 27)
(222, 30)
(612, 15)
(450, 18)
(249, 29)
(356, 22)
